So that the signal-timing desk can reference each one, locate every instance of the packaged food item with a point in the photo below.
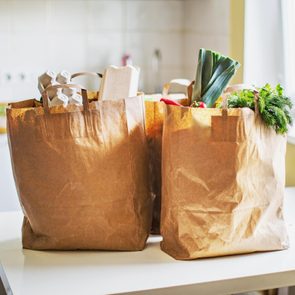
(119, 82)
(64, 77)
(59, 99)
(46, 79)
(75, 98)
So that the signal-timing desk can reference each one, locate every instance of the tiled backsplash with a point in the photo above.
(206, 24)
(88, 35)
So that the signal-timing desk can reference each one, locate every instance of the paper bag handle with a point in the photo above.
(190, 91)
(181, 82)
(237, 87)
(94, 74)
(63, 86)
(86, 74)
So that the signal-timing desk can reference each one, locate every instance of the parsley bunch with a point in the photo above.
(274, 107)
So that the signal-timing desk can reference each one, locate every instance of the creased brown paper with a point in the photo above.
(81, 175)
(223, 176)
(154, 128)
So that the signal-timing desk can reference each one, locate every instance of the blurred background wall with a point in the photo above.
(89, 35)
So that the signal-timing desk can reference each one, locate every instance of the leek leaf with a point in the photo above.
(214, 71)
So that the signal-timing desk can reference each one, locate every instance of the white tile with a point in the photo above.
(6, 93)
(5, 50)
(23, 91)
(193, 42)
(170, 73)
(90, 35)
(5, 16)
(207, 17)
(67, 52)
(190, 72)
(103, 50)
(152, 83)
(142, 46)
(25, 53)
(28, 51)
(155, 15)
(28, 16)
(104, 15)
(65, 16)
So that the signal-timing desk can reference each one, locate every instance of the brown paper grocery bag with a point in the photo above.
(81, 174)
(223, 174)
(154, 127)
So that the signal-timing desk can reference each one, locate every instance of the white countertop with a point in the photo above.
(102, 272)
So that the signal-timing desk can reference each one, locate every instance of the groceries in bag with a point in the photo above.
(58, 96)
(119, 82)
(223, 174)
(91, 162)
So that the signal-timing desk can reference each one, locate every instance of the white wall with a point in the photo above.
(89, 35)
(206, 24)
(85, 35)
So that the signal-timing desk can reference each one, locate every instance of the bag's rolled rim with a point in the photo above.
(33, 103)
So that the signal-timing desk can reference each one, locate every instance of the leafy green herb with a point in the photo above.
(213, 74)
(274, 107)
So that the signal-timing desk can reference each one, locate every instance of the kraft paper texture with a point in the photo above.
(223, 176)
(81, 175)
(155, 111)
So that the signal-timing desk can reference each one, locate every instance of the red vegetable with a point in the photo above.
(170, 102)
(202, 105)
(199, 104)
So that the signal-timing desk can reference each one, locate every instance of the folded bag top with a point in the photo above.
(223, 173)
(81, 173)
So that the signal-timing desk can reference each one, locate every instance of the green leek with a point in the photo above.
(214, 71)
